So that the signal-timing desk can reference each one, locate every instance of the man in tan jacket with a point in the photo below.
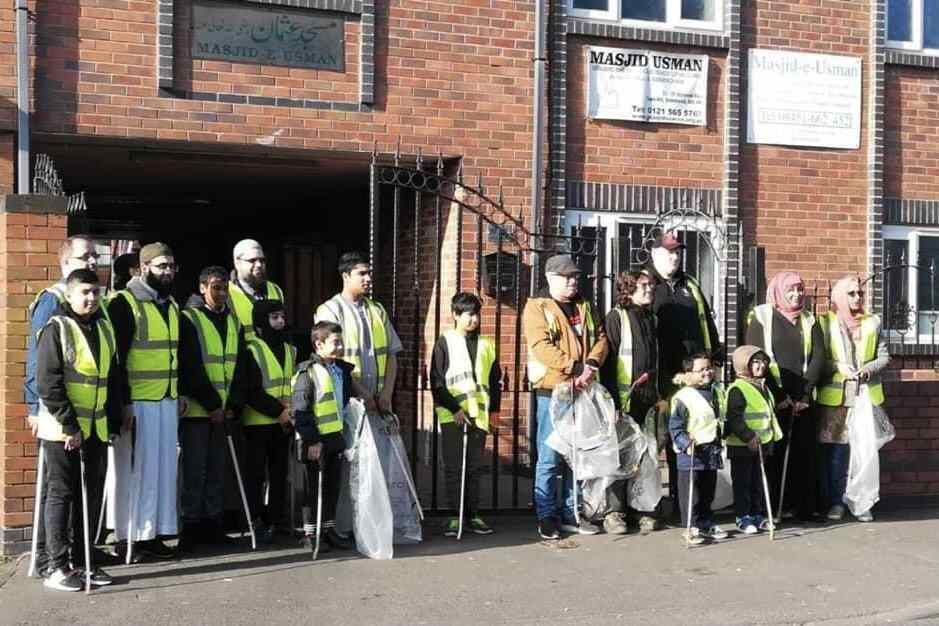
(566, 345)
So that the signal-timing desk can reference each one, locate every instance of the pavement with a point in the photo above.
(841, 574)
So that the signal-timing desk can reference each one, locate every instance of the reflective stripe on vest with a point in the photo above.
(351, 344)
(57, 290)
(702, 420)
(276, 378)
(832, 393)
(243, 306)
(624, 360)
(325, 403)
(218, 359)
(152, 359)
(86, 378)
(764, 315)
(468, 385)
(538, 370)
(695, 290)
(759, 414)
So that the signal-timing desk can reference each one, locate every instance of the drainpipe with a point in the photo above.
(537, 145)
(22, 96)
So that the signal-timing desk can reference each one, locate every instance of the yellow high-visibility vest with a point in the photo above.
(218, 359)
(243, 305)
(276, 377)
(759, 414)
(468, 385)
(152, 363)
(832, 393)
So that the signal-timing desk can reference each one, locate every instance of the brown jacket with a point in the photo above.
(555, 354)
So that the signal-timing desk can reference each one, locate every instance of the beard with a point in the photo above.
(163, 287)
(254, 280)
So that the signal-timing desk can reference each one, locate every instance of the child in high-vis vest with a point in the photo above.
(695, 427)
(322, 387)
(751, 423)
(464, 378)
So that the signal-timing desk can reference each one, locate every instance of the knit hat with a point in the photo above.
(154, 250)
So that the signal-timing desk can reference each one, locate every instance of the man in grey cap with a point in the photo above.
(146, 328)
(249, 283)
(566, 344)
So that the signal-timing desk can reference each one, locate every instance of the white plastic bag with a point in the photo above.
(645, 488)
(868, 431)
(372, 517)
(584, 431)
(400, 485)
(724, 490)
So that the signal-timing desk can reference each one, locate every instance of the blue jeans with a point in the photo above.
(837, 456)
(548, 466)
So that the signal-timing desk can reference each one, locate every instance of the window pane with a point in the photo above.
(899, 20)
(652, 10)
(927, 295)
(591, 5)
(895, 284)
(931, 24)
(698, 10)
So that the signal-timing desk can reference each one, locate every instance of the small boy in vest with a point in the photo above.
(80, 404)
(322, 387)
(696, 435)
(751, 423)
(464, 379)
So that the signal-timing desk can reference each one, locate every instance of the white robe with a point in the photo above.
(148, 493)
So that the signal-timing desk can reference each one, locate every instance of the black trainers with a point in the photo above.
(155, 549)
(336, 540)
(62, 580)
(99, 577)
(548, 529)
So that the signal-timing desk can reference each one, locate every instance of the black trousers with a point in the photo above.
(705, 482)
(266, 450)
(61, 531)
(330, 464)
(748, 485)
(802, 478)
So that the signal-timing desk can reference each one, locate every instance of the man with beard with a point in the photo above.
(685, 325)
(146, 328)
(249, 283)
(77, 252)
(266, 419)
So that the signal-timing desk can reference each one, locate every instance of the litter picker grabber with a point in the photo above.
(769, 509)
(241, 487)
(37, 503)
(459, 532)
(85, 525)
(690, 498)
(319, 508)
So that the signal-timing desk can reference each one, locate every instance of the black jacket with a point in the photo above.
(788, 352)
(50, 375)
(679, 329)
(645, 354)
(440, 361)
(304, 398)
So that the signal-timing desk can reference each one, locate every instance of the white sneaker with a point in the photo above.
(60, 580)
(714, 532)
(866, 516)
(584, 528)
(695, 537)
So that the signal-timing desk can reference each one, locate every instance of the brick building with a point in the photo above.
(171, 135)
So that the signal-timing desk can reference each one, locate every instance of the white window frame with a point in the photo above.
(911, 235)
(917, 26)
(672, 21)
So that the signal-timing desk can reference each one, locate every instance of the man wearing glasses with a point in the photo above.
(77, 252)
(249, 283)
(146, 326)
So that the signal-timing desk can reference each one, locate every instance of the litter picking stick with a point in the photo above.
(108, 477)
(459, 532)
(690, 498)
(769, 517)
(782, 482)
(404, 468)
(319, 508)
(574, 456)
(241, 487)
(85, 524)
(37, 503)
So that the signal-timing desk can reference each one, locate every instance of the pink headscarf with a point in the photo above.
(839, 303)
(776, 295)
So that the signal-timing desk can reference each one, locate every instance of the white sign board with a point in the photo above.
(647, 86)
(800, 99)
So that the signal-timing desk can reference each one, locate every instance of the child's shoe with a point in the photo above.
(746, 526)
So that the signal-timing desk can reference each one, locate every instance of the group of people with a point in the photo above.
(782, 424)
(126, 390)
(135, 400)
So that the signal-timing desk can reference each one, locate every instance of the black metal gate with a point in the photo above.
(433, 234)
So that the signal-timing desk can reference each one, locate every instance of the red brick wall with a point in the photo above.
(28, 263)
(788, 196)
(7, 160)
(909, 470)
(911, 134)
(637, 153)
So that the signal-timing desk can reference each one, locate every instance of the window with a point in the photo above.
(913, 25)
(910, 288)
(691, 14)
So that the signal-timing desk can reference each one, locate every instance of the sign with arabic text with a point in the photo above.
(267, 36)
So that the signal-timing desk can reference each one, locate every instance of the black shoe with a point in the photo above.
(309, 543)
(62, 580)
(548, 529)
(99, 577)
(106, 558)
(155, 549)
(264, 533)
(335, 540)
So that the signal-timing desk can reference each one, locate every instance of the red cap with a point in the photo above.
(668, 241)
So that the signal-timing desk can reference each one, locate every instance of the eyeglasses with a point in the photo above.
(648, 286)
(856, 293)
(255, 261)
(165, 267)
(88, 256)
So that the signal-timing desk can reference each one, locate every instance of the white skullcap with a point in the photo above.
(244, 246)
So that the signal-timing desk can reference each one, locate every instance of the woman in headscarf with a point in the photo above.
(792, 339)
(856, 353)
